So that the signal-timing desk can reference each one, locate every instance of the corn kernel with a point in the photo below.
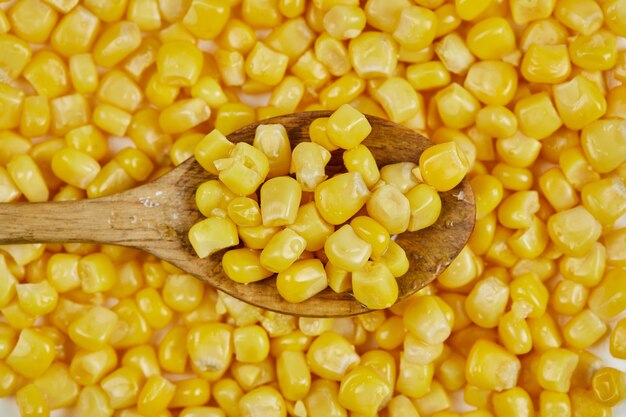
(454, 54)
(47, 73)
(584, 329)
(31, 401)
(11, 100)
(93, 400)
(374, 286)
(617, 344)
(272, 140)
(94, 329)
(363, 391)
(526, 11)
(607, 299)
(16, 55)
(244, 265)
(491, 38)
(456, 106)
(581, 16)
(35, 119)
(283, 249)
(28, 178)
(488, 88)
(179, 63)
(384, 15)
(443, 166)
(491, 367)
(123, 387)
(602, 143)
(310, 70)
(487, 315)
(344, 21)
(210, 347)
(155, 395)
(579, 102)
(373, 54)
(116, 43)
(302, 280)
(555, 369)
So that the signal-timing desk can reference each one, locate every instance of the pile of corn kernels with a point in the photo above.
(532, 91)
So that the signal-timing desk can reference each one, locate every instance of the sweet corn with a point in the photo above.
(282, 250)
(537, 116)
(456, 106)
(27, 177)
(280, 199)
(94, 329)
(244, 170)
(47, 73)
(375, 286)
(373, 54)
(363, 391)
(491, 367)
(183, 115)
(155, 395)
(32, 402)
(579, 102)
(518, 150)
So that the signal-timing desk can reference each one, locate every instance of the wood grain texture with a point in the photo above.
(156, 217)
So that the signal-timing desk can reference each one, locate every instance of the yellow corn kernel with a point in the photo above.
(484, 230)
(182, 293)
(310, 70)
(341, 197)
(94, 329)
(212, 147)
(172, 351)
(576, 168)
(396, 260)
(159, 93)
(347, 127)
(331, 356)
(383, 15)
(360, 159)
(373, 54)
(244, 265)
(251, 344)
(35, 119)
(526, 11)
(265, 65)
(302, 280)
(344, 21)
(311, 226)
(389, 207)
(122, 387)
(58, 386)
(210, 347)
(118, 89)
(581, 16)
(145, 13)
(461, 271)
(439, 325)
(372, 232)
(339, 280)
(155, 395)
(282, 250)
(233, 116)
(419, 352)
(176, 32)
(202, 11)
(537, 116)
(617, 343)
(399, 99)
(272, 140)
(546, 64)
(428, 75)
(12, 145)
(111, 179)
(487, 315)
(456, 106)
(543, 32)
(184, 115)
(76, 32)
(11, 100)
(390, 334)
(237, 36)
(425, 206)
(179, 63)
(227, 394)
(574, 231)
(69, 112)
(614, 15)
(579, 102)
(32, 402)
(287, 95)
(32, 354)
(346, 250)
(36, 299)
(280, 199)
(209, 89)
(513, 402)
(514, 334)
(400, 175)
(607, 299)
(244, 211)
(294, 376)
(518, 150)
(569, 297)
(93, 400)
(21, 15)
(488, 193)
(609, 386)
(443, 166)
(382, 363)
(454, 53)
(111, 119)
(265, 401)
(363, 391)
(257, 237)
(291, 38)
(401, 406)
(135, 162)
(602, 144)
(116, 43)
(414, 380)
(557, 190)
(374, 286)
(213, 234)
(308, 162)
(491, 367)
(151, 305)
(517, 210)
(554, 404)
(587, 269)
(145, 133)
(491, 38)
(584, 329)
(416, 27)
(342, 91)
(47, 73)
(496, 121)
(28, 178)
(192, 392)
(16, 56)
(5, 25)
(8, 339)
(605, 199)
(105, 10)
(231, 67)
(555, 369)
(75, 167)
(486, 87)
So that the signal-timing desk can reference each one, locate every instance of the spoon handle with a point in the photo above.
(118, 220)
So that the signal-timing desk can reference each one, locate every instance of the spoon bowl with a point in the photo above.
(156, 217)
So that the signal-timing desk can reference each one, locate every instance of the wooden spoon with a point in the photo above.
(156, 217)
